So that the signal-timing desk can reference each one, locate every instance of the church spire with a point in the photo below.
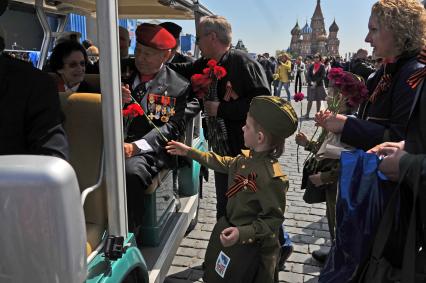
(318, 11)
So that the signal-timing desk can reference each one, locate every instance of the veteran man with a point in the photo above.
(162, 94)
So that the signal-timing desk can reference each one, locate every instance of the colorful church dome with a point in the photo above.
(296, 29)
(334, 27)
(306, 29)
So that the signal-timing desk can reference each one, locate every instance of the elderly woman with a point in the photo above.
(68, 61)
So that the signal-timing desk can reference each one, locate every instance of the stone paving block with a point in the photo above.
(290, 277)
(196, 234)
(198, 244)
(317, 211)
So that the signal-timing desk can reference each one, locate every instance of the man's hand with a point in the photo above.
(130, 149)
(316, 180)
(301, 139)
(229, 236)
(125, 94)
(177, 148)
(377, 148)
(390, 163)
(211, 108)
(331, 122)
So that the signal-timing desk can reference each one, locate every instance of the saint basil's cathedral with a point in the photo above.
(313, 39)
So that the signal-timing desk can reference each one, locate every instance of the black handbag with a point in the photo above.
(236, 264)
(312, 193)
(378, 269)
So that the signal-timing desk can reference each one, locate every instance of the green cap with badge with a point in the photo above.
(274, 114)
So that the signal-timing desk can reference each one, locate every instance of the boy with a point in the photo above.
(256, 196)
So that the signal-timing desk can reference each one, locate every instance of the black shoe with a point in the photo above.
(320, 255)
(284, 255)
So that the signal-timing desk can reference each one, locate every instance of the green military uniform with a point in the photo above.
(258, 215)
(257, 186)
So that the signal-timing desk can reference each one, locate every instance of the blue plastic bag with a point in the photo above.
(362, 198)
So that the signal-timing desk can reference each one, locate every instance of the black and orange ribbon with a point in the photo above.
(242, 183)
(383, 85)
(415, 79)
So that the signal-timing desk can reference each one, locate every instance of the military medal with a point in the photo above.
(165, 101)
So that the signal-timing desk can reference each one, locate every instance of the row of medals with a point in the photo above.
(162, 111)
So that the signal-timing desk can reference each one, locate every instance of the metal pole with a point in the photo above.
(41, 15)
(197, 15)
(107, 19)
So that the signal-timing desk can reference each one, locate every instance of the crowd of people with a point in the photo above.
(247, 124)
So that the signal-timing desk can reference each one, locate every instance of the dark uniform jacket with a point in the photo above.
(258, 215)
(318, 77)
(386, 118)
(247, 79)
(167, 83)
(30, 113)
(180, 58)
(362, 68)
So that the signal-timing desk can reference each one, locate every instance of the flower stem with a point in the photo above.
(149, 120)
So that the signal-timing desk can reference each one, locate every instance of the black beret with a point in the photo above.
(173, 28)
(3, 6)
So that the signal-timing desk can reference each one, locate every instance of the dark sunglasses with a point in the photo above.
(74, 64)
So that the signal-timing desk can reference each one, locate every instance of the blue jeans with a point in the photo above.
(279, 86)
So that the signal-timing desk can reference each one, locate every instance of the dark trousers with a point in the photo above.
(140, 170)
(298, 83)
(330, 201)
(221, 183)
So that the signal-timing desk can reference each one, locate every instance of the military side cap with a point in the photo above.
(155, 36)
(173, 28)
(274, 114)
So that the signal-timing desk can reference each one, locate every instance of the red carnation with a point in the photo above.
(133, 110)
(206, 71)
(299, 96)
(219, 72)
(211, 63)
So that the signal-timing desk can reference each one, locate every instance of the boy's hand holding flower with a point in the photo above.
(229, 236)
(301, 139)
(177, 148)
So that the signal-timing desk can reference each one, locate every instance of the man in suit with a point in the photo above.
(162, 94)
(30, 113)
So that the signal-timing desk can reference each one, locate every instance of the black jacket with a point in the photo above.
(386, 118)
(30, 113)
(362, 68)
(318, 77)
(248, 80)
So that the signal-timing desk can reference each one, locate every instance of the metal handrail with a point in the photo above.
(89, 190)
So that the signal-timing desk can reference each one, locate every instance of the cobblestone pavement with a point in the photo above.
(306, 224)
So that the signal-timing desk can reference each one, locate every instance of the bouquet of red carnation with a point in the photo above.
(133, 110)
(201, 82)
(351, 90)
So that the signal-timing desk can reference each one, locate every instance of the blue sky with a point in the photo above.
(264, 25)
